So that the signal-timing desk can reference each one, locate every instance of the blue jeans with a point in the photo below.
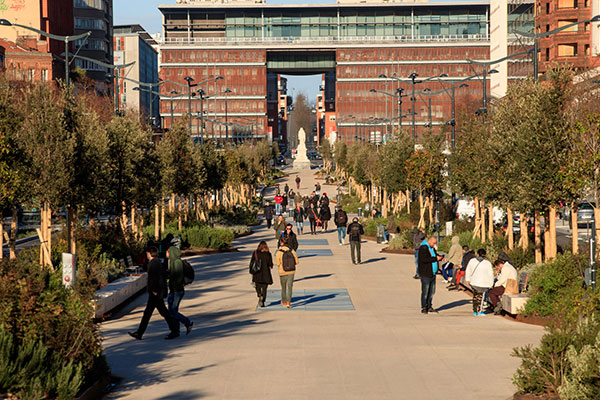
(447, 270)
(417, 261)
(173, 301)
(299, 226)
(277, 208)
(341, 233)
(427, 292)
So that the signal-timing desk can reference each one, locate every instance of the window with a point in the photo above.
(97, 4)
(547, 54)
(567, 3)
(30, 74)
(564, 22)
(91, 23)
(548, 8)
(44, 75)
(567, 50)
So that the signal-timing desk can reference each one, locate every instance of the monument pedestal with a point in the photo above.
(301, 161)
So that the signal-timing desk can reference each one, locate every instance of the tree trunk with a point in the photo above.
(597, 233)
(133, 220)
(431, 211)
(186, 204)
(524, 228)
(179, 222)
(71, 226)
(124, 222)
(49, 230)
(491, 222)
(421, 224)
(162, 215)
(509, 228)
(14, 225)
(477, 229)
(547, 240)
(156, 223)
(408, 201)
(575, 229)
(538, 237)
(385, 203)
(552, 226)
(1, 234)
(42, 235)
(172, 203)
(482, 213)
(141, 229)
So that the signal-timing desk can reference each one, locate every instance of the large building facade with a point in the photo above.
(95, 16)
(364, 51)
(133, 44)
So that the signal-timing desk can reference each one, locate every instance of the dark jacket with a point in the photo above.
(324, 200)
(266, 261)
(325, 213)
(425, 262)
(353, 238)
(468, 256)
(279, 228)
(299, 214)
(175, 270)
(312, 213)
(284, 201)
(156, 278)
(293, 243)
(314, 200)
(269, 211)
(341, 218)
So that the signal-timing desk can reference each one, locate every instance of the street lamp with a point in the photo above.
(65, 39)
(398, 96)
(173, 94)
(227, 91)
(202, 96)
(189, 81)
(536, 36)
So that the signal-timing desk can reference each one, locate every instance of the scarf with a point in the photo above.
(434, 265)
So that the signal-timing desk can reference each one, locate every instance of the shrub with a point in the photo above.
(403, 240)
(350, 203)
(553, 283)
(565, 362)
(37, 313)
(370, 225)
(202, 236)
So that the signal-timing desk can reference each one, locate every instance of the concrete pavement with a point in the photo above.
(383, 349)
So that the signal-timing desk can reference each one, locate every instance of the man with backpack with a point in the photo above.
(157, 290)
(286, 261)
(341, 219)
(291, 236)
(355, 230)
(176, 290)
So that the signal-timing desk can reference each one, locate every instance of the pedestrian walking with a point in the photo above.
(278, 201)
(298, 199)
(355, 231)
(286, 260)
(318, 189)
(298, 182)
(176, 287)
(480, 276)
(261, 264)
(418, 237)
(291, 236)
(306, 203)
(324, 215)
(428, 267)
(324, 200)
(313, 218)
(279, 226)
(268, 212)
(292, 198)
(286, 189)
(341, 220)
(284, 202)
(157, 291)
(314, 199)
(299, 216)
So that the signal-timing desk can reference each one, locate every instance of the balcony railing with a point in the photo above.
(325, 39)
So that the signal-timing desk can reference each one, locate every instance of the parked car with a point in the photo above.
(585, 214)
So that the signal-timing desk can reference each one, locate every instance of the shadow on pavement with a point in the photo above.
(313, 277)
(372, 260)
(454, 304)
(182, 394)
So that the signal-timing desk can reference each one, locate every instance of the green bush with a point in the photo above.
(37, 313)
(202, 236)
(566, 362)
(370, 225)
(554, 283)
(350, 203)
(402, 240)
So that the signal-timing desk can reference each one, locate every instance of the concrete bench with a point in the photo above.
(117, 292)
(514, 303)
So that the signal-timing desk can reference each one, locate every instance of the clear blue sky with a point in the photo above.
(146, 14)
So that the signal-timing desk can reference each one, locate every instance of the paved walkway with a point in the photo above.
(381, 347)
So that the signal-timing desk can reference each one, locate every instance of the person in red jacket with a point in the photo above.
(278, 201)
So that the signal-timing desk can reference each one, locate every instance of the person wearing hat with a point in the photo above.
(324, 200)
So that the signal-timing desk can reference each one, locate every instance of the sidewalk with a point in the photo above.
(382, 349)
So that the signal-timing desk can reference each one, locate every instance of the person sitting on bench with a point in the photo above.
(505, 272)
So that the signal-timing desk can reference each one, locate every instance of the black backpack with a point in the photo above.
(288, 261)
(188, 272)
(355, 230)
(341, 218)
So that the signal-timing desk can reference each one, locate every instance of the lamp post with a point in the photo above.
(397, 96)
(173, 94)
(202, 96)
(227, 91)
(65, 39)
(485, 72)
(536, 36)
(189, 81)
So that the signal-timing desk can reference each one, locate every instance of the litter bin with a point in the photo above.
(380, 232)
(359, 212)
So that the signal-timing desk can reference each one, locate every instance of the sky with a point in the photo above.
(146, 14)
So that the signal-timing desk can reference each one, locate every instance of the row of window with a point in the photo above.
(97, 4)
(350, 19)
(87, 65)
(90, 23)
(92, 44)
(359, 30)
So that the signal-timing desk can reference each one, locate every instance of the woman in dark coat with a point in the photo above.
(263, 277)
(312, 214)
(325, 216)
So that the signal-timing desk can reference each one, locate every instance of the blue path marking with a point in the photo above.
(313, 242)
(310, 300)
(314, 252)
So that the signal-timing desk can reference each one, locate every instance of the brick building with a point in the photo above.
(578, 46)
(26, 60)
(353, 45)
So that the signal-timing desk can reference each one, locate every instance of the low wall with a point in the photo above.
(116, 293)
